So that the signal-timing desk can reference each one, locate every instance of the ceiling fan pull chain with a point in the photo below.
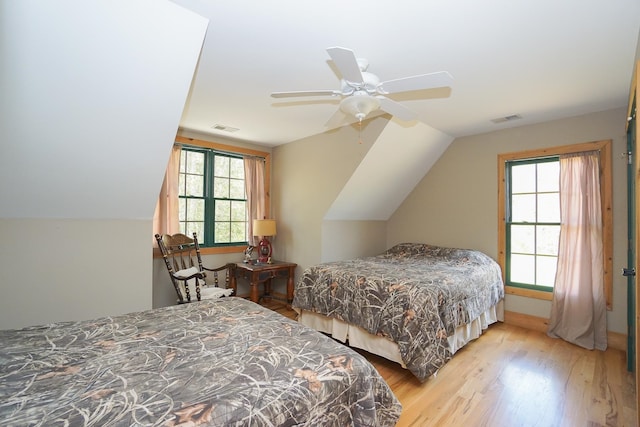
(360, 132)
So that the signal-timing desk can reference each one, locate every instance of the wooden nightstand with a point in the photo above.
(263, 273)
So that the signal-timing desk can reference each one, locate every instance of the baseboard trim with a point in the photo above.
(615, 340)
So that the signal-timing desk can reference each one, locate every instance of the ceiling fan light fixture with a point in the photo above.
(359, 105)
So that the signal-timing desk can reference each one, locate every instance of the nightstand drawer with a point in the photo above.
(273, 274)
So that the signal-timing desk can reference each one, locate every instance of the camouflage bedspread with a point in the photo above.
(224, 362)
(414, 294)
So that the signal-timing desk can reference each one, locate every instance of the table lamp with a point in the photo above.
(264, 228)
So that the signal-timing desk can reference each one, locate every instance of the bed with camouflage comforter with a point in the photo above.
(226, 362)
(415, 295)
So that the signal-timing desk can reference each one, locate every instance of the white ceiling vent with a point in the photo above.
(225, 128)
(507, 118)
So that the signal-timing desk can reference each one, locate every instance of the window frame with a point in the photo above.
(604, 148)
(233, 248)
(209, 199)
(509, 224)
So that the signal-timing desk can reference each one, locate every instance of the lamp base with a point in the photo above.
(264, 250)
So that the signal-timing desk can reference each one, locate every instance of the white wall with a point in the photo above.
(92, 94)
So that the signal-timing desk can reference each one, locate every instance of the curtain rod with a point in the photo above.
(216, 150)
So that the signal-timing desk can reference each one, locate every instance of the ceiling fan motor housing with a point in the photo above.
(369, 84)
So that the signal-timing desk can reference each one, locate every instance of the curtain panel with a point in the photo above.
(256, 197)
(578, 309)
(165, 218)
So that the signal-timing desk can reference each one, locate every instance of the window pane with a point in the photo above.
(181, 185)
(222, 232)
(523, 239)
(221, 188)
(238, 211)
(195, 227)
(183, 161)
(523, 269)
(223, 210)
(236, 168)
(194, 185)
(549, 207)
(182, 211)
(548, 176)
(221, 166)
(547, 239)
(194, 163)
(546, 270)
(523, 178)
(523, 208)
(238, 231)
(236, 189)
(195, 209)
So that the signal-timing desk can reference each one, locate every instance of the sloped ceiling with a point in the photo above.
(542, 60)
(90, 103)
(393, 166)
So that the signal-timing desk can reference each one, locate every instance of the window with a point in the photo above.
(527, 218)
(532, 223)
(211, 194)
(212, 200)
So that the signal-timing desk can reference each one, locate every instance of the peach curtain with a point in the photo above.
(256, 197)
(578, 308)
(165, 218)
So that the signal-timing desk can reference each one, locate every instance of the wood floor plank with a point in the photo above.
(513, 376)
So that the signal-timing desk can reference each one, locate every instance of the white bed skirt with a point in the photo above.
(382, 346)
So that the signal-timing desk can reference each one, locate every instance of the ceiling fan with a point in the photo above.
(363, 92)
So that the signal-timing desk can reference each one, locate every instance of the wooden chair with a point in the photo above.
(182, 257)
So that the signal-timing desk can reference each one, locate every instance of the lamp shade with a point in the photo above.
(264, 227)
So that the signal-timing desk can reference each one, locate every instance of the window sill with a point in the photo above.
(529, 293)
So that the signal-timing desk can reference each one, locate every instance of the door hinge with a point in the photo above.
(628, 272)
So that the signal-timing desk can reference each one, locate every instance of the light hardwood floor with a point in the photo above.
(512, 376)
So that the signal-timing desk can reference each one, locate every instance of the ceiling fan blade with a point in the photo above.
(306, 93)
(347, 63)
(396, 109)
(419, 82)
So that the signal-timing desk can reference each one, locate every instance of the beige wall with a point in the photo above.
(456, 202)
(54, 270)
(307, 177)
(351, 239)
(85, 141)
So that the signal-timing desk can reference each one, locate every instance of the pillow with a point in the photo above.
(211, 292)
(191, 282)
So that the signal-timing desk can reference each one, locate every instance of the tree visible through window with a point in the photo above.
(533, 222)
(212, 200)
